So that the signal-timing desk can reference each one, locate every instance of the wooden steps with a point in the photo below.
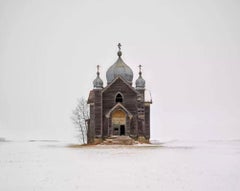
(119, 140)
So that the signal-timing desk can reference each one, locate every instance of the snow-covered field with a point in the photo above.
(177, 165)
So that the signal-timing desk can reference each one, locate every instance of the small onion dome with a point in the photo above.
(119, 68)
(98, 83)
(140, 82)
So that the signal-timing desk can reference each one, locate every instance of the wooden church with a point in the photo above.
(118, 110)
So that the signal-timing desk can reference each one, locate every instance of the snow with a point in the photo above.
(177, 165)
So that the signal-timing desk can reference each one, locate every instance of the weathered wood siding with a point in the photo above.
(133, 101)
(147, 121)
(129, 101)
(98, 113)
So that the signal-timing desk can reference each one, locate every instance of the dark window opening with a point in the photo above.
(119, 98)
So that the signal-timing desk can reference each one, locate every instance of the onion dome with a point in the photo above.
(98, 83)
(119, 68)
(140, 82)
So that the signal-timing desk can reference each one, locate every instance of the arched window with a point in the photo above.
(119, 98)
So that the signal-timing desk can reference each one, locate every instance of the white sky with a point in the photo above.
(189, 49)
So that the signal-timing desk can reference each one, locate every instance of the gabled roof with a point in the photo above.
(118, 106)
(121, 78)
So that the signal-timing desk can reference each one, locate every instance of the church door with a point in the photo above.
(118, 122)
(122, 129)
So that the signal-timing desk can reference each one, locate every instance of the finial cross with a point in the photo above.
(119, 46)
(140, 68)
(98, 68)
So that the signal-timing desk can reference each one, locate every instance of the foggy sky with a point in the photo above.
(190, 52)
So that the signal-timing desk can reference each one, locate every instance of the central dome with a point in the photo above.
(119, 68)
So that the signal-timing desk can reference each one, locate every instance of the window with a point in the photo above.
(119, 98)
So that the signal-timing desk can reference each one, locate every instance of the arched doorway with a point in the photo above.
(119, 122)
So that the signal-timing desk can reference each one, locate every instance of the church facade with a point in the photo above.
(119, 109)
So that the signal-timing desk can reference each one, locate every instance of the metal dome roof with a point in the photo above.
(140, 82)
(119, 68)
(98, 83)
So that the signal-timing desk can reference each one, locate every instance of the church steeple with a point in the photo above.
(140, 82)
(98, 83)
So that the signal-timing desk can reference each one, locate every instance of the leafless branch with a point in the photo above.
(79, 117)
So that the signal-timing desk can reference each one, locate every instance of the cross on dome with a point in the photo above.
(119, 46)
(119, 50)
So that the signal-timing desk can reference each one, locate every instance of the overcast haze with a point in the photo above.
(190, 52)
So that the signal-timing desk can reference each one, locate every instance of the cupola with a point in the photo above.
(140, 82)
(119, 68)
(98, 83)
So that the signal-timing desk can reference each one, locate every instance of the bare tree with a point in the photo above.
(80, 118)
